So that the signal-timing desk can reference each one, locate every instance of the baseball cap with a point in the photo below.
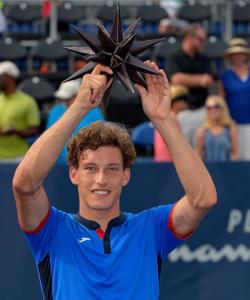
(67, 90)
(9, 68)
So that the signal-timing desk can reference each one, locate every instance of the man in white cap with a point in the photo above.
(66, 94)
(19, 115)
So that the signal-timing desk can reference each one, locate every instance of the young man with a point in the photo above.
(102, 253)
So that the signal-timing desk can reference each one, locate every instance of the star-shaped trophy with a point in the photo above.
(116, 49)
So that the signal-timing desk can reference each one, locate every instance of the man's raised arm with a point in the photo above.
(31, 199)
(198, 185)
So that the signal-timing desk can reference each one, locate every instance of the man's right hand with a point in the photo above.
(93, 87)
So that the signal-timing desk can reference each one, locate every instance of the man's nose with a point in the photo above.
(101, 177)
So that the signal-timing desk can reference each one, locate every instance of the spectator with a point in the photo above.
(66, 95)
(189, 67)
(180, 102)
(189, 121)
(217, 140)
(2, 20)
(172, 27)
(19, 115)
(235, 87)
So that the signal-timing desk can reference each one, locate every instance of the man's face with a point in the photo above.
(100, 178)
(4, 81)
(199, 39)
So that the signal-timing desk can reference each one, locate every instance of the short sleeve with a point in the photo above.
(32, 113)
(166, 240)
(40, 241)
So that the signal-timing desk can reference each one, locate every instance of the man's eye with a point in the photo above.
(90, 169)
(113, 169)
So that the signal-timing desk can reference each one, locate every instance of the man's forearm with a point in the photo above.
(24, 133)
(43, 154)
(189, 80)
(194, 176)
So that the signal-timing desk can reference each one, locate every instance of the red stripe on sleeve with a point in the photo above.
(40, 226)
(172, 229)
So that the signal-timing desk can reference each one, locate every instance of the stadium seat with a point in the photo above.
(150, 16)
(106, 14)
(39, 88)
(194, 12)
(24, 21)
(215, 49)
(241, 19)
(13, 51)
(143, 138)
(50, 58)
(70, 14)
(165, 49)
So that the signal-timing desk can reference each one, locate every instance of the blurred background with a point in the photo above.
(206, 57)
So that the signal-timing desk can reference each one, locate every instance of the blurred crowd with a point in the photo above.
(217, 125)
(212, 113)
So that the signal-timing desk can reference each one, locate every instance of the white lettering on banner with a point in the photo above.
(207, 253)
(236, 218)
(247, 222)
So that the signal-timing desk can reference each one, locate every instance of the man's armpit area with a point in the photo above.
(173, 230)
(40, 226)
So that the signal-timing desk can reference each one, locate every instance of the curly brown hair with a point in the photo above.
(99, 134)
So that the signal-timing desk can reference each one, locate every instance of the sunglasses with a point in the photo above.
(215, 107)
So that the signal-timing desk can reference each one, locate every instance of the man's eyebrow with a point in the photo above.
(95, 164)
(89, 163)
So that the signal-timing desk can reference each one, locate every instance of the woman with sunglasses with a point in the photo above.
(217, 139)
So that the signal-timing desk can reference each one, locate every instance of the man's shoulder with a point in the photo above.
(148, 213)
(22, 96)
(177, 54)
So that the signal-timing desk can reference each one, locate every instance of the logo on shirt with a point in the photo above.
(84, 239)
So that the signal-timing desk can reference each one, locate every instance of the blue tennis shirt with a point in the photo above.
(75, 262)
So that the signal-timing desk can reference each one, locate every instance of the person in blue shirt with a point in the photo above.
(217, 138)
(235, 88)
(101, 252)
(66, 94)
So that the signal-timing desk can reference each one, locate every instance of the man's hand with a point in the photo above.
(206, 80)
(156, 99)
(1, 132)
(9, 131)
(93, 87)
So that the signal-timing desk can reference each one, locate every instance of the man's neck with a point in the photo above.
(10, 90)
(102, 217)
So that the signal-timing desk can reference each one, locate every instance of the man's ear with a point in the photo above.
(73, 175)
(126, 177)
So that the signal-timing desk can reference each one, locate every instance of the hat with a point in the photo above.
(237, 45)
(9, 68)
(67, 90)
(179, 92)
(237, 42)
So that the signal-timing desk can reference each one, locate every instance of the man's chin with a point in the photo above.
(102, 206)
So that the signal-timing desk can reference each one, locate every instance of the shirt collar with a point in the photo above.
(90, 224)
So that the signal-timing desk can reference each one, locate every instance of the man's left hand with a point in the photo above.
(156, 99)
